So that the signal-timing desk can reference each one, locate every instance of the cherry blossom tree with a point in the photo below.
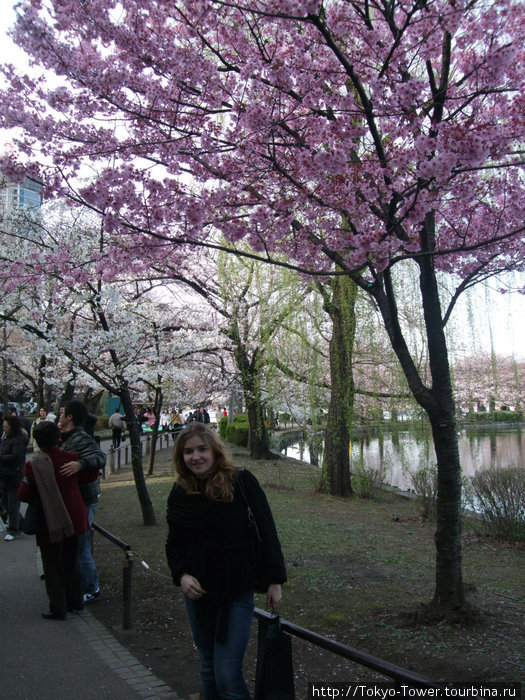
(347, 136)
(92, 329)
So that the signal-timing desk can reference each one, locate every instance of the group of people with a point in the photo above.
(63, 477)
(209, 548)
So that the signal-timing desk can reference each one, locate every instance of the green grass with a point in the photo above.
(355, 568)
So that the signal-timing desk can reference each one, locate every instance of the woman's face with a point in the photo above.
(198, 456)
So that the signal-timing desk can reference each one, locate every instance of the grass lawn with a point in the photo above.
(355, 568)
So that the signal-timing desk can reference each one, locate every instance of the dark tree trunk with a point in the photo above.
(92, 399)
(157, 407)
(250, 381)
(5, 387)
(40, 385)
(148, 514)
(336, 459)
(438, 402)
(258, 442)
(449, 592)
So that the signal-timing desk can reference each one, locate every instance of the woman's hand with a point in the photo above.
(191, 587)
(273, 595)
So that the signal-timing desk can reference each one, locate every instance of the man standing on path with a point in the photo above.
(91, 457)
(117, 425)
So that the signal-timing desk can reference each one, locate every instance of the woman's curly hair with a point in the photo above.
(219, 484)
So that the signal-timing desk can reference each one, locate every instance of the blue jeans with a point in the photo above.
(88, 570)
(221, 632)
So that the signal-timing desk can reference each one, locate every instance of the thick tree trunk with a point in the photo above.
(336, 459)
(258, 442)
(148, 514)
(449, 593)
(438, 402)
(250, 381)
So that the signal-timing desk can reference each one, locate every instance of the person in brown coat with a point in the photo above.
(63, 517)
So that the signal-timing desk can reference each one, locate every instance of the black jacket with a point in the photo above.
(90, 457)
(12, 459)
(211, 540)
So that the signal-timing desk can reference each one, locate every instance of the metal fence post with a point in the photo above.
(127, 598)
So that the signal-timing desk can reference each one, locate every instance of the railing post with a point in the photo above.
(111, 460)
(127, 575)
(127, 578)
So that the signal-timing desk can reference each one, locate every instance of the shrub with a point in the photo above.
(424, 482)
(238, 432)
(495, 417)
(367, 482)
(222, 427)
(284, 418)
(498, 496)
(102, 423)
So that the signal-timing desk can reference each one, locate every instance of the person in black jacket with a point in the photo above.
(209, 555)
(90, 458)
(12, 458)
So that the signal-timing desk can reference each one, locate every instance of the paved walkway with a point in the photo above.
(45, 659)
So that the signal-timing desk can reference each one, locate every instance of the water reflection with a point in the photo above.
(395, 452)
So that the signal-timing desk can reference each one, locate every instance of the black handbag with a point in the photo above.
(32, 518)
(274, 677)
(256, 544)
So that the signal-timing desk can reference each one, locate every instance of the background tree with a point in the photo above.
(106, 334)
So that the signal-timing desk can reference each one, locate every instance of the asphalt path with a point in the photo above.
(77, 659)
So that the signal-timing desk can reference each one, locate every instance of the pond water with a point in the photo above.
(395, 452)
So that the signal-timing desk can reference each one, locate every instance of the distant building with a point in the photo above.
(25, 195)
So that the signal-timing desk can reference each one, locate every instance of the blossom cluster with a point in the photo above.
(299, 128)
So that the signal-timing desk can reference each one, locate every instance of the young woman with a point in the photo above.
(208, 552)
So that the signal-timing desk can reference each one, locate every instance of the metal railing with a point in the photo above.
(127, 576)
(396, 673)
(121, 456)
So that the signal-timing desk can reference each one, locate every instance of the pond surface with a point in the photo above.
(395, 452)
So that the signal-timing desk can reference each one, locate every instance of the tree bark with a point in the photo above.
(251, 386)
(336, 460)
(40, 385)
(438, 402)
(258, 442)
(148, 514)
(157, 406)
